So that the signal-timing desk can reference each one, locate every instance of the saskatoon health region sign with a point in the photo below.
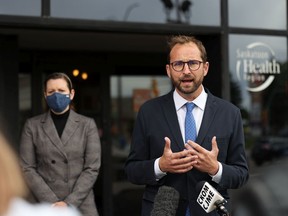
(257, 66)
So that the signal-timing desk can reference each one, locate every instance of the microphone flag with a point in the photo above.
(209, 198)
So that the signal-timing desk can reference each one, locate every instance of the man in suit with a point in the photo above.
(60, 151)
(161, 155)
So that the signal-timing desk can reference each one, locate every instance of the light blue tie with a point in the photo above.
(190, 126)
(190, 131)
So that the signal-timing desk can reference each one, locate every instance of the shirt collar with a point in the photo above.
(200, 101)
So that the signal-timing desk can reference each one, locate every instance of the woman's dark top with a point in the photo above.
(60, 121)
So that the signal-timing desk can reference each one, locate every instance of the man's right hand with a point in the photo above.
(178, 162)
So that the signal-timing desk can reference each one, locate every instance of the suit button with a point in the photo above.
(66, 180)
(53, 161)
(65, 161)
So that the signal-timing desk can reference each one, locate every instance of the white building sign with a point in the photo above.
(257, 66)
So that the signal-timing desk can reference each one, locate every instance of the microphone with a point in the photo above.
(209, 199)
(166, 202)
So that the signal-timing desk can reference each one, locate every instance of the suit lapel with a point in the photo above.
(70, 127)
(172, 120)
(209, 113)
(51, 132)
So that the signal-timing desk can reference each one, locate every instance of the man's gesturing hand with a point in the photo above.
(178, 162)
(207, 160)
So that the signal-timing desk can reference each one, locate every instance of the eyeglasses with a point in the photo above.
(192, 64)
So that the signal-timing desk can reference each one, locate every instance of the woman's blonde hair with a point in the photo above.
(12, 183)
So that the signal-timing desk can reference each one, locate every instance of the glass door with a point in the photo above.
(128, 93)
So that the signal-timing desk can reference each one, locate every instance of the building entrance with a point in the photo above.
(110, 87)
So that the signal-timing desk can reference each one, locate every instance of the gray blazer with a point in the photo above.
(62, 169)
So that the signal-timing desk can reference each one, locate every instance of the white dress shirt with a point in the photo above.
(197, 112)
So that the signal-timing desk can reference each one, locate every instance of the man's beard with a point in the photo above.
(195, 85)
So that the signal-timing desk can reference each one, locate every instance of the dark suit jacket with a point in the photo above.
(62, 169)
(156, 119)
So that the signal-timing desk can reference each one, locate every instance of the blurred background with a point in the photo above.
(115, 53)
(266, 193)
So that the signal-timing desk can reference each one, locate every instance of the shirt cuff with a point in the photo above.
(158, 173)
(217, 177)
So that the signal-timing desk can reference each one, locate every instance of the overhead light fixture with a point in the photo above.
(84, 75)
(75, 72)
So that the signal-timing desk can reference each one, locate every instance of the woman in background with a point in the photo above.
(60, 150)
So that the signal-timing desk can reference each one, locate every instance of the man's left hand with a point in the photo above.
(207, 160)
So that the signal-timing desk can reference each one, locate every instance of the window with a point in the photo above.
(20, 7)
(259, 79)
(188, 11)
(263, 14)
